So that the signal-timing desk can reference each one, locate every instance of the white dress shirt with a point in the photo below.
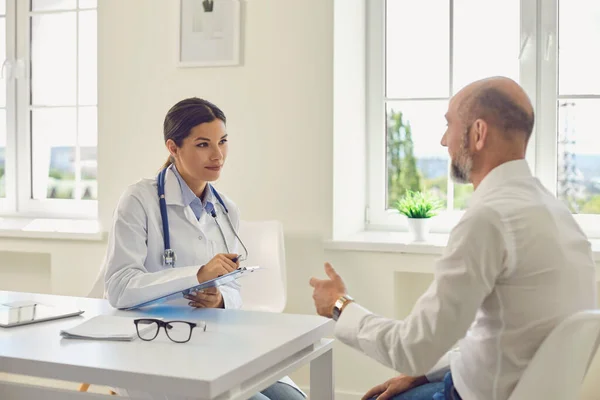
(515, 266)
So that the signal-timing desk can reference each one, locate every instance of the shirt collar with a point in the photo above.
(187, 195)
(503, 173)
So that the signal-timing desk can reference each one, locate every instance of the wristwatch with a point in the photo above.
(340, 304)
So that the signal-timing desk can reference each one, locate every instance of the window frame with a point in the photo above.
(539, 77)
(8, 202)
(19, 201)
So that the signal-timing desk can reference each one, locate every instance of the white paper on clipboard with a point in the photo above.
(222, 280)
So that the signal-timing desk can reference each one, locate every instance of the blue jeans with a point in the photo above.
(431, 391)
(278, 391)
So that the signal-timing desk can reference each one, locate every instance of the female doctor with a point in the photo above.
(201, 225)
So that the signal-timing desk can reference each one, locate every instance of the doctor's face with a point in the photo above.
(203, 152)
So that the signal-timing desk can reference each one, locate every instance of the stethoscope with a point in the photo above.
(169, 256)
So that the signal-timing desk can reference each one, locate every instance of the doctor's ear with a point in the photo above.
(172, 147)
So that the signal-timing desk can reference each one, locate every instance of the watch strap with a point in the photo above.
(339, 306)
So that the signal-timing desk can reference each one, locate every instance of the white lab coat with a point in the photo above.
(134, 271)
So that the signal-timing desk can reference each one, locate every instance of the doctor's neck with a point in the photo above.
(197, 186)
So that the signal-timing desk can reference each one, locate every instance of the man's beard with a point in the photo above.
(461, 165)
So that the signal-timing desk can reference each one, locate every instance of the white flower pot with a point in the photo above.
(419, 228)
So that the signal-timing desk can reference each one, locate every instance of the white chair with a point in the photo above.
(265, 289)
(559, 366)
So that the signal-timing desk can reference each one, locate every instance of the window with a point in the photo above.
(421, 53)
(48, 108)
(578, 105)
(4, 88)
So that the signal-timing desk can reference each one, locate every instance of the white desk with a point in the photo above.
(240, 354)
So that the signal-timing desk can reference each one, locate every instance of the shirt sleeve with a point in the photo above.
(464, 276)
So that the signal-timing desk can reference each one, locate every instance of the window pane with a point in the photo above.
(51, 5)
(579, 54)
(462, 195)
(2, 153)
(88, 58)
(415, 158)
(53, 151)
(53, 59)
(88, 4)
(3, 37)
(417, 48)
(486, 40)
(88, 139)
(579, 155)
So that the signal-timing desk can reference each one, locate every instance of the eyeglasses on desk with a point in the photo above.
(178, 331)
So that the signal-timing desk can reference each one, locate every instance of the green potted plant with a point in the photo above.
(419, 208)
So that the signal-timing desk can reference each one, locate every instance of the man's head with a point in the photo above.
(489, 123)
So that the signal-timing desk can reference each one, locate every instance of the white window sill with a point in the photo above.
(400, 242)
(43, 228)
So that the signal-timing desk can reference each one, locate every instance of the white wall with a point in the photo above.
(279, 105)
(280, 110)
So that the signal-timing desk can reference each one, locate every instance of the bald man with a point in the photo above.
(515, 266)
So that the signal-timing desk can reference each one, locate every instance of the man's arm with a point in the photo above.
(465, 275)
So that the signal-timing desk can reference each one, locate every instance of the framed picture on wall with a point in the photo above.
(209, 33)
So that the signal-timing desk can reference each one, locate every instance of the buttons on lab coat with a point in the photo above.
(200, 237)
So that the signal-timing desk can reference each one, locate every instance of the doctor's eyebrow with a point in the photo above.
(208, 140)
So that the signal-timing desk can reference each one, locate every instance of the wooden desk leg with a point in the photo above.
(321, 377)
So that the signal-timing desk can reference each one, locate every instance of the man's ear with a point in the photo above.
(479, 134)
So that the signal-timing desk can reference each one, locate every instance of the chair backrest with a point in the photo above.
(264, 290)
(558, 368)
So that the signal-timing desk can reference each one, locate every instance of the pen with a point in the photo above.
(236, 258)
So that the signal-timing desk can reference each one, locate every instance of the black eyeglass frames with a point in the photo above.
(178, 331)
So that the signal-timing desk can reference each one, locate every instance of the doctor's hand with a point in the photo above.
(394, 386)
(327, 291)
(206, 298)
(221, 264)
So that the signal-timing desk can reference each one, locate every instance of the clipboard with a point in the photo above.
(221, 280)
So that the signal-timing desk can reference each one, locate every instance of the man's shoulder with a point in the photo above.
(481, 215)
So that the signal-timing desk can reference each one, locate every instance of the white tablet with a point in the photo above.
(19, 313)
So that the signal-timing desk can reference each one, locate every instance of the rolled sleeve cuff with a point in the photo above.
(231, 298)
(348, 325)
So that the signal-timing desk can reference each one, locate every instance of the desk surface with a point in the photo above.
(236, 346)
